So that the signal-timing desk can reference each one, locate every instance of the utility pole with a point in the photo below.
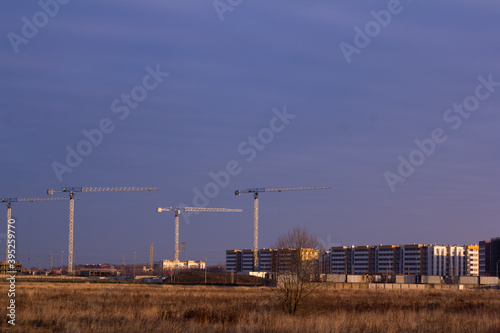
(72, 191)
(205, 268)
(255, 192)
(134, 267)
(62, 262)
(151, 259)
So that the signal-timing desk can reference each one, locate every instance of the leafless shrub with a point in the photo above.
(297, 265)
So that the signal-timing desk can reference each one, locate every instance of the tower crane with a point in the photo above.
(9, 202)
(72, 191)
(256, 192)
(178, 211)
(181, 246)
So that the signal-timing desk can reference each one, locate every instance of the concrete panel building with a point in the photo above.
(324, 262)
(233, 261)
(414, 259)
(363, 259)
(456, 261)
(247, 261)
(341, 260)
(437, 260)
(484, 258)
(472, 260)
(495, 257)
(387, 259)
(270, 260)
(267, 260)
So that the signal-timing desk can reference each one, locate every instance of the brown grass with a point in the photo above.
(86, 307)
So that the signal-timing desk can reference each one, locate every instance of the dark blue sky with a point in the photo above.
(353, 120)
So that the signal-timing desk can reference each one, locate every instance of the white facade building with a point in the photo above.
(449, 260)
(472, 260)
(169, 265)
(437, 262)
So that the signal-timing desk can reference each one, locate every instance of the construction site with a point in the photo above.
(159, 270)
(384, 266)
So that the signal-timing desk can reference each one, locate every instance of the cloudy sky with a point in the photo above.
(394, 105)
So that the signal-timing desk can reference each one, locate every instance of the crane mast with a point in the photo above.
(72, 191)
(256, 192)
(178, 211)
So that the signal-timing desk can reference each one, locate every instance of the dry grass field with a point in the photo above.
(91, 307)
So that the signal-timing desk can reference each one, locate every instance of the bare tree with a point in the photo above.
(296, 267)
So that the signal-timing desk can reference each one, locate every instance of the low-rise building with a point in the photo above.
(6, 267)
(169, 265)
(99, 272)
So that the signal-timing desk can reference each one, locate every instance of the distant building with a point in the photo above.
(387, 259)
(411, 259)
(267, 260)
(341, 260)
(247, 261)
(97, 270)
(484, 258)
(233, 261)
(169, 265)
(5, 267)
(363, 260)
(437, 260)
(324, 262)
(285, 258)
(472, 260)
(270, 260)
(456, 261)
(414, 259)
(495, 257)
